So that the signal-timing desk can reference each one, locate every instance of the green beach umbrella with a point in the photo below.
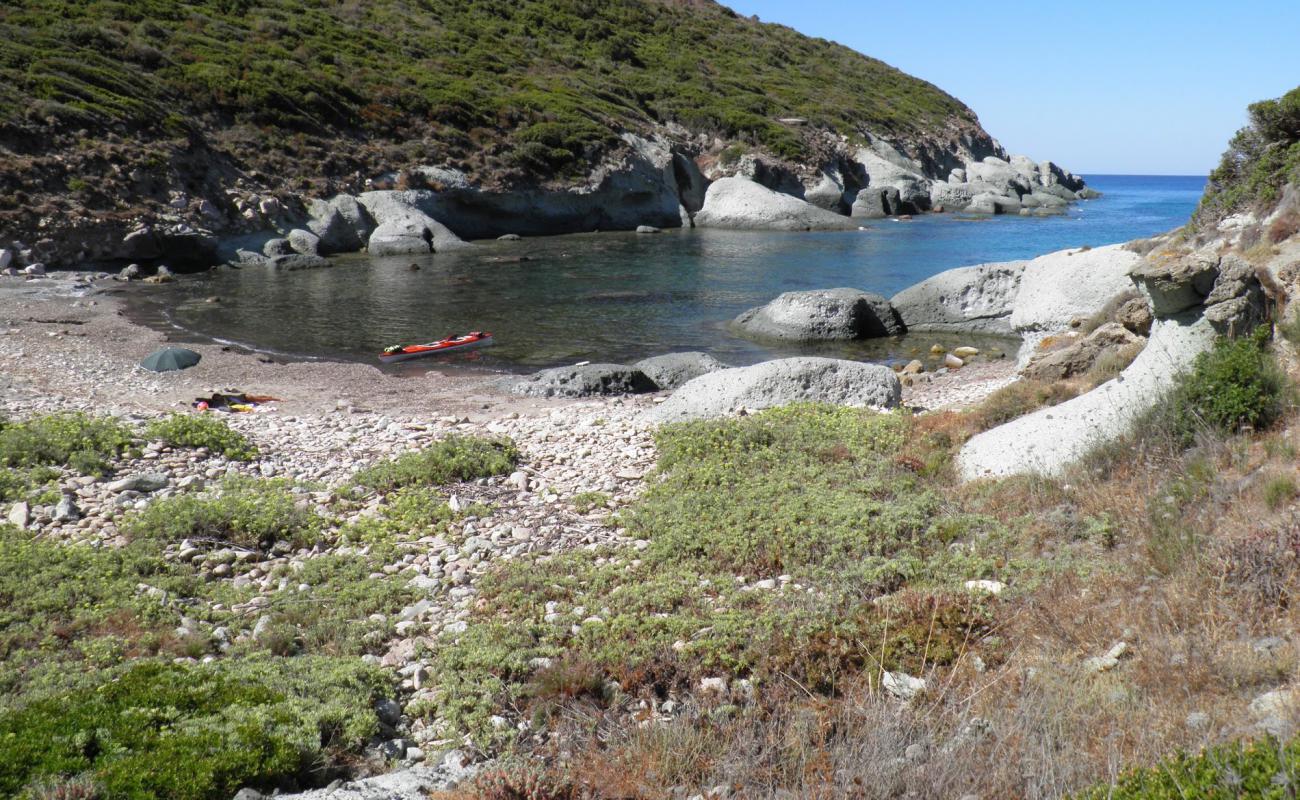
(170, 358)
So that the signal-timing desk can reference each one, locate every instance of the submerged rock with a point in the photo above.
(781, 382)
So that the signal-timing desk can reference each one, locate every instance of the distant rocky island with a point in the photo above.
(178, 147)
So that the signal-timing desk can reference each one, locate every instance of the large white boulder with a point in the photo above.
(822, 315)
(779, 383)
(341, 222)
(403, 229)
(743, 204)
(969, 299)
(1047, 441)
(1060, 287)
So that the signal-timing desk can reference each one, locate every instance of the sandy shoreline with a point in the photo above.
(67, 340)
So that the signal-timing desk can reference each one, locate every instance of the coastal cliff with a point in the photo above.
(150, 132)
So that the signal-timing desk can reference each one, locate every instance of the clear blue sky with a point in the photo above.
(1139, 87)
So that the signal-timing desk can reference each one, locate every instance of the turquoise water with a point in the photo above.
(620, 296)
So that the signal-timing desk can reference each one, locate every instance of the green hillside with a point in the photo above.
(507, 86)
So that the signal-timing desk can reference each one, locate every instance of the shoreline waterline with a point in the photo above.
(619, 297)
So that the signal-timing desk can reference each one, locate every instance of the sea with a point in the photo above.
(619, 297)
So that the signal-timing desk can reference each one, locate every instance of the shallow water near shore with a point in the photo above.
(621, 296)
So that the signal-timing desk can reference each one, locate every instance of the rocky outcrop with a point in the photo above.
(781, 382)
(976, 299)
(1049, 440)
(1081, 355)
(1017, 186)
(342, 224)
(637, 186)
(672, 370)
(402, 228)
(742, 204)
(1060, 288)
(584, 380)
(821, 315)
(1226, 285)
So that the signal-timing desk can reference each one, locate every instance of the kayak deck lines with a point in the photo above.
(448, 345)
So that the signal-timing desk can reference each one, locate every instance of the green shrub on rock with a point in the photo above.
(1234, 386)
(248, 512)
(202, 430)
(455, 458)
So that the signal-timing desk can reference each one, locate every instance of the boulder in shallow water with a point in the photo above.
(976, 299)
(403, 229)
(742, 204)
(342, 224)
(297, 261)
(779, 383)
(277, 247)
(584, 380)
(675, 369)
(822, 315)
(304, 242)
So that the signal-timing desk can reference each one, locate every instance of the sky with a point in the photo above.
(1144, 87)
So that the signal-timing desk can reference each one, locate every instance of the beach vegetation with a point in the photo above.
(455, 458)
(202, 431)
(253, 513)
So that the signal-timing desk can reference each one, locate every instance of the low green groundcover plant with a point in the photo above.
(202, 430)
(76, 440)
(1264, 770)
(248, 512)
(455, 458)
(813, 501)
(195, 731)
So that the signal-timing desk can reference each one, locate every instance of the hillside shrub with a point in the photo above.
(254, 513)
(1260, 159)
(195, 731)
(1264, 769)
(455, 458)
(202, 430)
(1235, 385)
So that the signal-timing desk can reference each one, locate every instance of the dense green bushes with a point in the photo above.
(1260, 159)
(456, 458)
(1263, 769)
(1236, 385)
(202, 430)
(194, 732)
(248, 512)
(547, 82)
(76, 440)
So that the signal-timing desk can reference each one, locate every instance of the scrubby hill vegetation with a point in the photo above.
(1260, 160)
(303, 93)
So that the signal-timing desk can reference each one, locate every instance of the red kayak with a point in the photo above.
(450, 344)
